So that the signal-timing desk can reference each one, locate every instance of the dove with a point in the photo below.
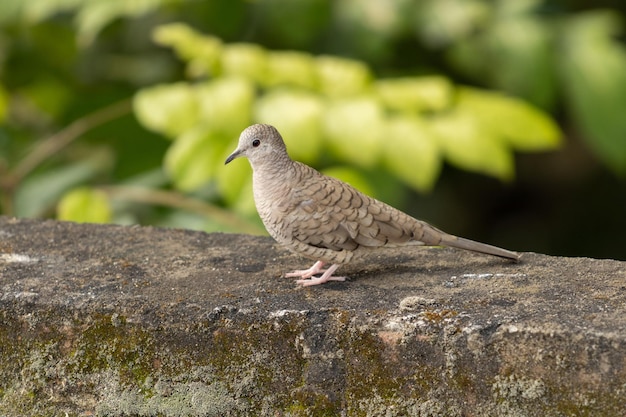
(327, 220)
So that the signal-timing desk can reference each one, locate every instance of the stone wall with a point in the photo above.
(139, 321)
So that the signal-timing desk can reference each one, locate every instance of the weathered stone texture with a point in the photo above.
(139, 321)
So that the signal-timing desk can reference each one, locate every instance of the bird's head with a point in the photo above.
(259, 143)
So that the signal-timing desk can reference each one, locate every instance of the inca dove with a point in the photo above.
(325, 219)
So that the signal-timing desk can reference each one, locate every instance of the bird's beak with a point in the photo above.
(232, 156)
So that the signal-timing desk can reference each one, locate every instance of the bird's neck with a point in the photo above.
(271, 176)
(277, 165)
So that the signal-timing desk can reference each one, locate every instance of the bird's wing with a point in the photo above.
(328, 213)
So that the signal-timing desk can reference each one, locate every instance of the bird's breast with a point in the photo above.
(272, 204)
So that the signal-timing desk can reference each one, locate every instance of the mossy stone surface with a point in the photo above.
(138, 321)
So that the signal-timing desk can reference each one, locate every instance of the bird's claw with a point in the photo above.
(309, 277)
(307, 273)
(316, 281)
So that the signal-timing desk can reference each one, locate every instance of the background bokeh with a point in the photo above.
(501, 121)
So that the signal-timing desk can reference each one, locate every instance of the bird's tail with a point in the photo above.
(461, 243)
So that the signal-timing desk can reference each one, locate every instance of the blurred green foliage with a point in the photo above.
(404, 125)
(125, 111)
(85, 205)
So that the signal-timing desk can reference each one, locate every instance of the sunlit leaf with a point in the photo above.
(170, 109)
(381, 18)
(354, 130)
(10, 10)
(298, 116)
(225, 105)
(525, 127)
(35, 11)
(245, 60)
(411, 152)
(4, 103)
(594, 70)
(339, 77)
(442, 22)
(292, 69)
(84, 205)
(202, 52)
(415, 94)
(469, 145)
(192, 159)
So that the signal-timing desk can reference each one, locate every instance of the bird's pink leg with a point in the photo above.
(327, 276)
(307, 273)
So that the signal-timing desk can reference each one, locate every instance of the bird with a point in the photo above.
(327, 220)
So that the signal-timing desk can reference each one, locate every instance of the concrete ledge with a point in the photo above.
(139, 321)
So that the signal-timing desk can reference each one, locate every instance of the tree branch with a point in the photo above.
(176, 200)
(53, 144)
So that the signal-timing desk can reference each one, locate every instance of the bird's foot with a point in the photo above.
(326, 276)
(307, 273)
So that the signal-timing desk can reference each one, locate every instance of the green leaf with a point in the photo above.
(415, 94)
(509, 45)
(34, 11)
(192, 159)
(4, 103)
(298, 116)
(339, 77)
(94, 15)
(170, 109)
(469, 145)
(525, 127)
(594, 70)
(523, 64)
(292, 69)
(48, 95)
(411, 152)
(354, 130)
(225, 105)
(443, 22)
(10, 10)
(84, 205)
(200, 51)
(245, 60)
(245, 203)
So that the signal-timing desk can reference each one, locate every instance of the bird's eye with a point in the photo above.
(256, 143)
